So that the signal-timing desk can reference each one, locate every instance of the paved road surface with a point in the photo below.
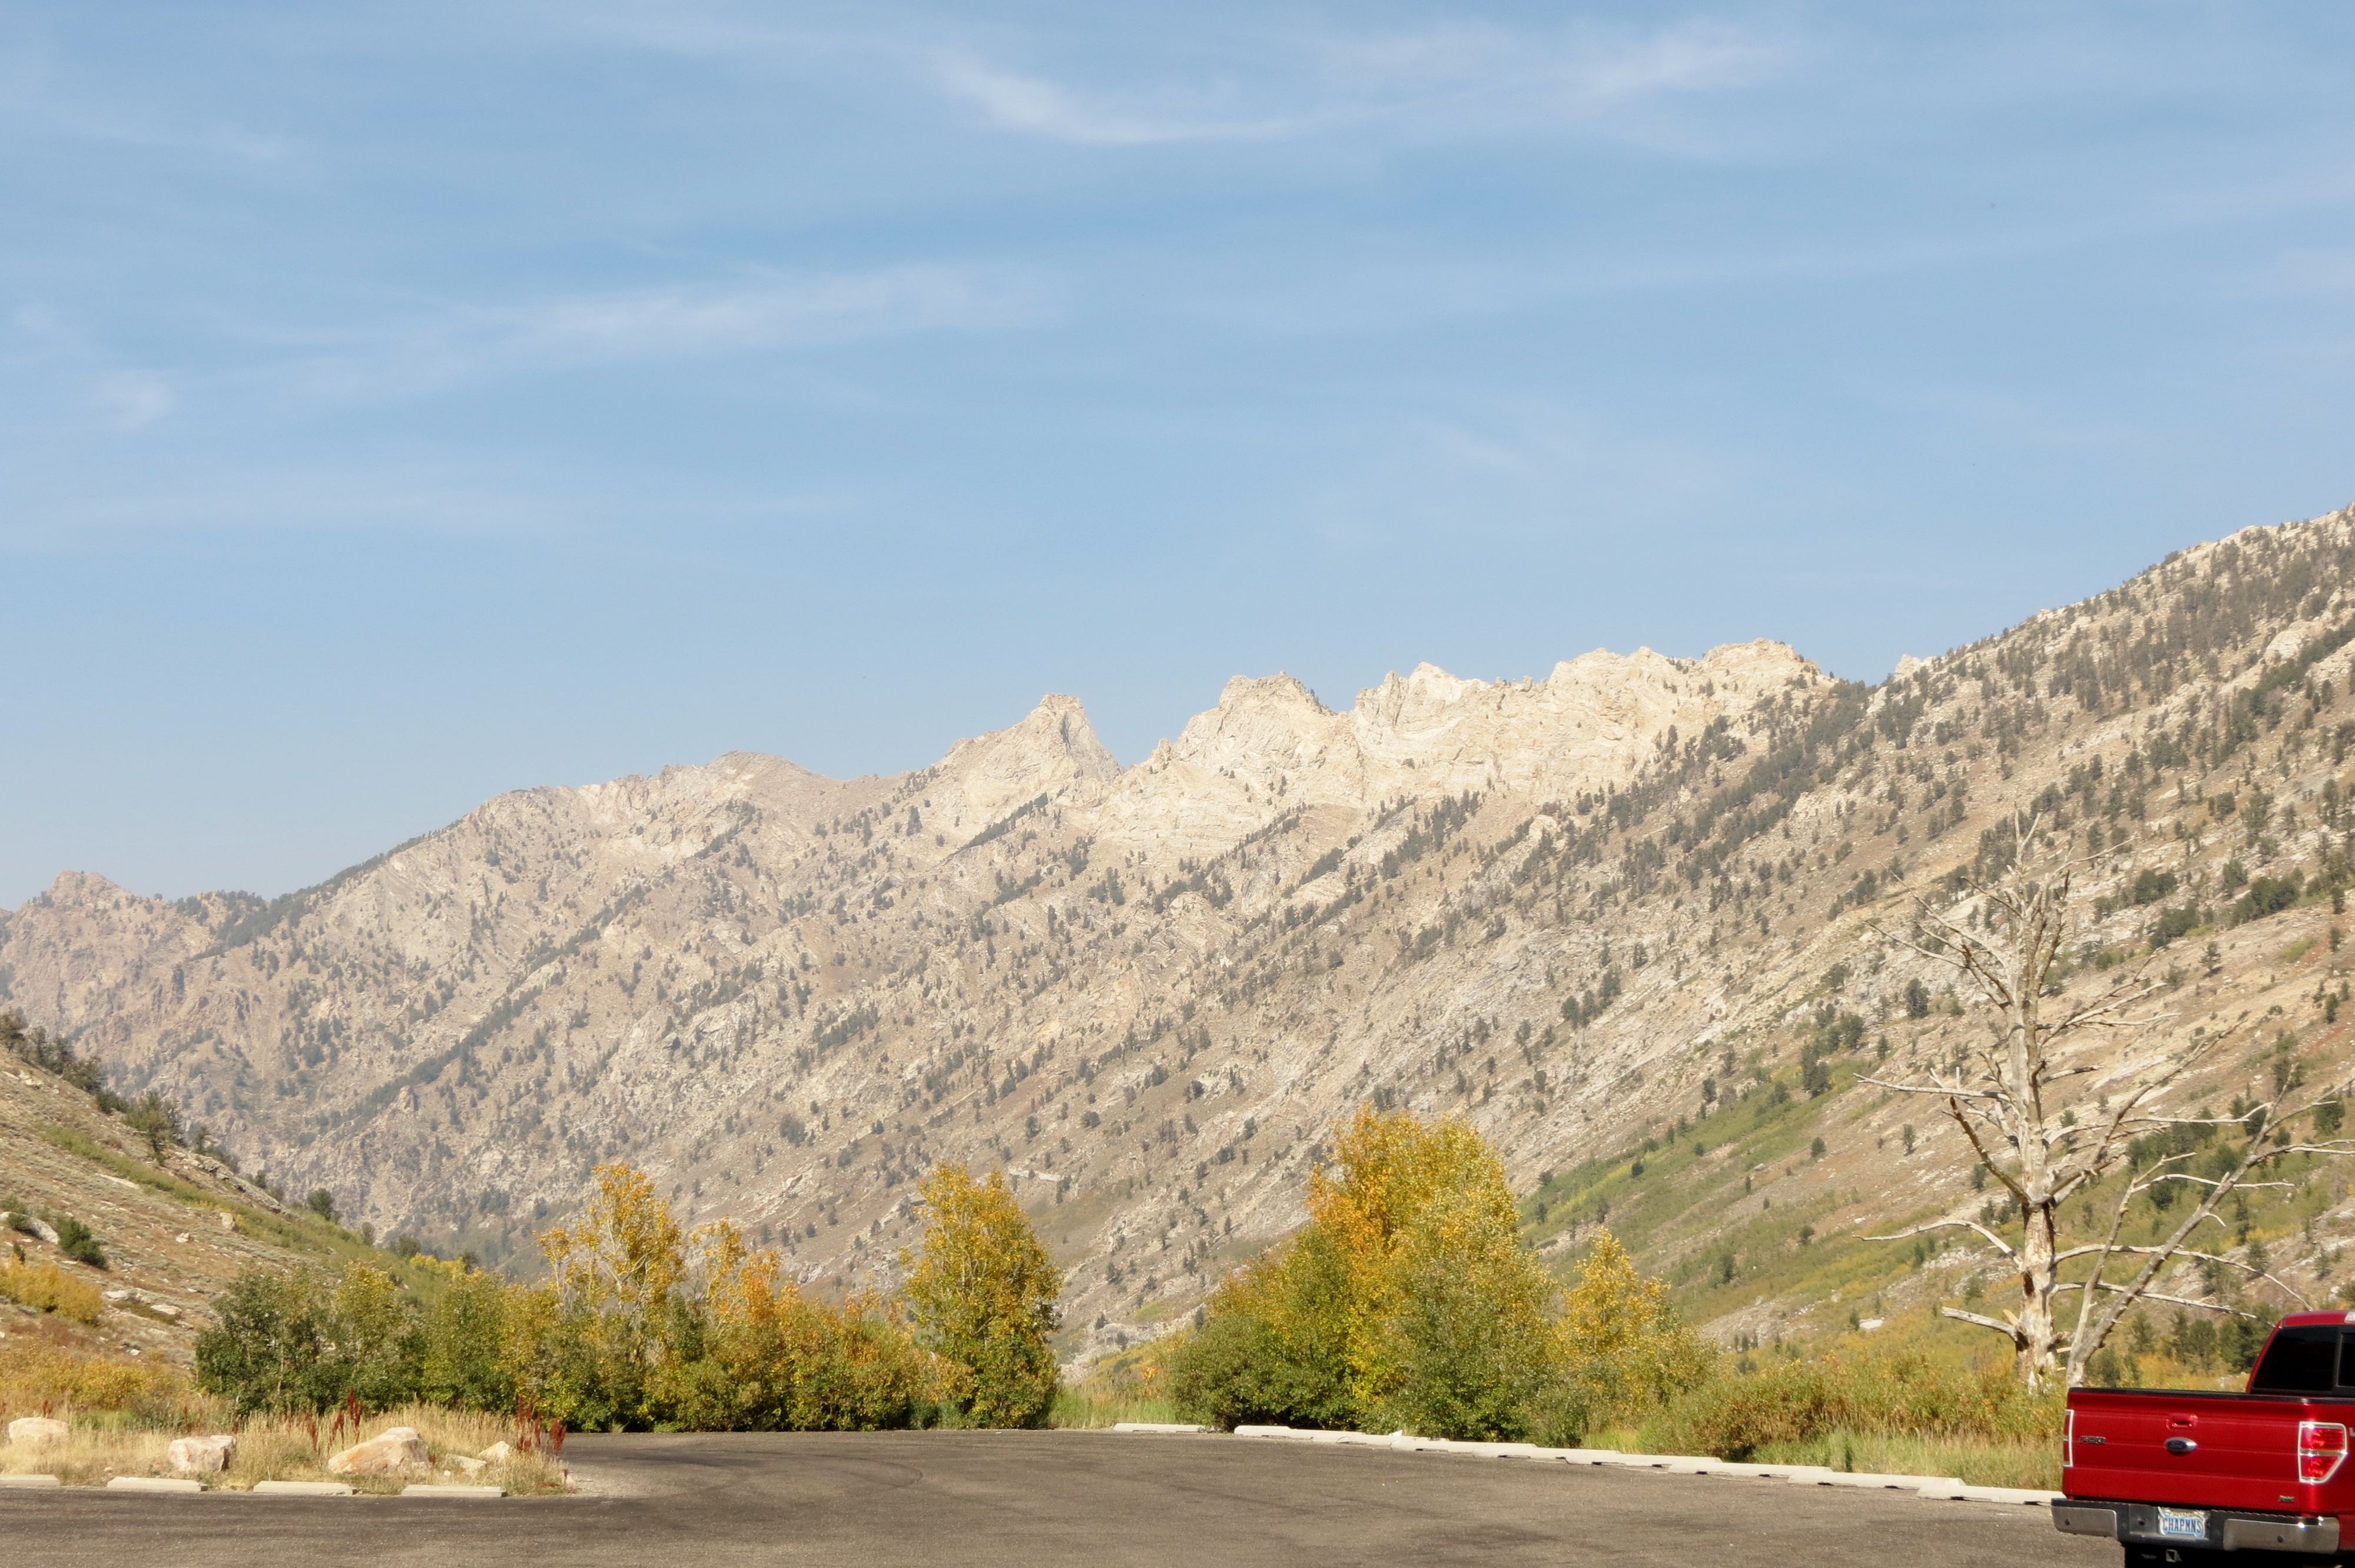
(978, 1499)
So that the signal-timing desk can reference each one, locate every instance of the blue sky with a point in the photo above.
(403, 403)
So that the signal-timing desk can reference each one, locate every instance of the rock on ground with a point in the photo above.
(201, 1456)
(385, 1454)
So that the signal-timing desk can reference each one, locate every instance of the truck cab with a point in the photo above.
(2187, 1476)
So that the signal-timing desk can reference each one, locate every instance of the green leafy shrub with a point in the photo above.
(290, 1340)
(1272, 1346)
(2267, 896)
(463, 1360)
(77, 1242)
(157, 1123)
(267, 1347)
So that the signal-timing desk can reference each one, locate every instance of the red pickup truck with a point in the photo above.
(2179, 1477)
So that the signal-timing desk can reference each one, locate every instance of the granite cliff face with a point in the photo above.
(1556, 906)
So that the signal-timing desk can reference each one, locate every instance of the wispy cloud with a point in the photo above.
(2328, 273)
(769, 312)
(55, 377)
(1573, 73)
(132, 398)
(1034, 104)
(1462, 77)
(1245, 76)
(766, 311)
(40, 105)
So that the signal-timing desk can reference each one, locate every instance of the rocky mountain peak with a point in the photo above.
(1052, 749)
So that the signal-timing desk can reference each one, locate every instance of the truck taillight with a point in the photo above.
(2069, 1441)
(2321, 1449)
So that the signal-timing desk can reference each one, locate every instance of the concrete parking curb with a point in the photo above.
(2028, 1497)
(1171, 1427)
(1865, 1480)
(1937, 1488)
(260, 1489)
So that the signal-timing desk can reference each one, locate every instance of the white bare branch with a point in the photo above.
(1992, 1238)
(2000, 1326)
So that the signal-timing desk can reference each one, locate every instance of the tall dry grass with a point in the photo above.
(39, 1378)
(92, 1456)
(295, 1448)
(46, 1288)
(124, 1416)
(1893, 1413)
(1090, 1406)
(1981, 1461)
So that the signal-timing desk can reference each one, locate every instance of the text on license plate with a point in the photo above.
(2182, 1524)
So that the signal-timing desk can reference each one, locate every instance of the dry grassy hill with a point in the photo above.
(173, 1230)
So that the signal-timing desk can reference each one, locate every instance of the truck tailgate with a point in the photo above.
(2200, 1450)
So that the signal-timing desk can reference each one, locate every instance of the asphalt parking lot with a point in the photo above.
(879, 1500)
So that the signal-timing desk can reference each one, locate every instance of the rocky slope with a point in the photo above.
(1560, 908)
(174, 1232)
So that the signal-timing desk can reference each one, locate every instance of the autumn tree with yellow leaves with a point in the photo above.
(600, 1326)
(644, 1324)
(640, 1324)
(1409, 1300)
(1625, 1349)
(751, 1351)
(983, 1292)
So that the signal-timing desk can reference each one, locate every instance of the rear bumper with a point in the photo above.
(2230, 1529)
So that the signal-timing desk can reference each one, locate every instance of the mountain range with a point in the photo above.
(1584, 911)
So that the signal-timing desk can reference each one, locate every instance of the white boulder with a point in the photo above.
(201, 1456)
(387, 1453)
(34, 1429)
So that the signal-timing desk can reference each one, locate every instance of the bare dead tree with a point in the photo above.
(2005, 938)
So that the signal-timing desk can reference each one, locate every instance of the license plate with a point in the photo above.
(2182, 1524)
